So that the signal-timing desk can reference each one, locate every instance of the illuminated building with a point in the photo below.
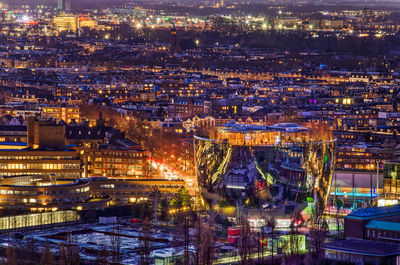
(41, 193)
(63, 163)
(45, 153)
(287, 21)
(47, 193)
(357, 158)
(187, 107)
(62, 112)
(85, 22)
(226, 107)
(284, 161)
(73, 23)
(122, 191)
(38, 219)
(116, 163)
(66, 23)
(12, 133)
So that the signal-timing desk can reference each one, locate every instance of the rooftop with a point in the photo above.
(363, 247)
(281, 127)
(374, 212)
(383, 225)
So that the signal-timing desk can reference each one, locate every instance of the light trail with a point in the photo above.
(171, 173)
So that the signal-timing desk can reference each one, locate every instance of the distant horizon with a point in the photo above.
(116, 2)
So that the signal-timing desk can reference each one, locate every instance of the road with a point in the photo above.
(169, 172)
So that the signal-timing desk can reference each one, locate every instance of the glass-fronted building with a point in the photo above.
(272, 165)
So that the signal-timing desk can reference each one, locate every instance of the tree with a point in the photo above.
(293, 243)
(203, 241)
(47, 257)
(156, 195)
(145, 243)
(69, 252)
(245, 241)
(27, 252)
(181, 237)
(115, 240)
(181, 199)
(294, 235)
(318, 231)
(164, 208)
(102, 255)
(11, 255)
(339, 205)
(271, 225)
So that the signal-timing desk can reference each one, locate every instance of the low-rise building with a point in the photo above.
(123, 191)
(44, 193)
(372, 237)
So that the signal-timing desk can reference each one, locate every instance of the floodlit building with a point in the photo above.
(71, 23)
(46, 193)
(66, 23)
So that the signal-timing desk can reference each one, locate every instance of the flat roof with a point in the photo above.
(363, 247)
(373, 212)
(281, 127)
(384, 225)
(13, 143)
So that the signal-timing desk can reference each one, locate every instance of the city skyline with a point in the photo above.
(199, 132)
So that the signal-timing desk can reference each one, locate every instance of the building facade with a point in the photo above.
(282, 160)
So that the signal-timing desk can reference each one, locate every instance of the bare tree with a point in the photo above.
(271, 224)
(102, 255)
(245, 241)
(115, 240)
(181, 237)
(69, 252)
(145, 243)
(318, 231)
(47, 257)
(203, 241)
(156, 194)
(294, 235)
(292, 244)
(11, 255)
(27, 252)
